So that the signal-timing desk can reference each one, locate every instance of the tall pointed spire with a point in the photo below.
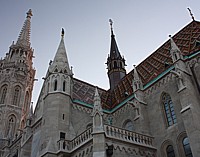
(60, 60)
(114, 51)
(24, 36)
(115, 62)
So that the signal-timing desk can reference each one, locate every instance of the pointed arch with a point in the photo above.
(184, 145)
(26, 101)
(55, 85)
(4, 90)
(128, 125)
(64, 86)
(16, 95)
(168, 109)
(11, 125)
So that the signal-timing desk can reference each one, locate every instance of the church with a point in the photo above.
(151, 111)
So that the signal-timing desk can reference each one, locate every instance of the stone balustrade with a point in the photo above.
(110, 132)
(65, 145)
(128, 136)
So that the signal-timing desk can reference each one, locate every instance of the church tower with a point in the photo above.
(115, 62)
(16, 83)
(57, 101)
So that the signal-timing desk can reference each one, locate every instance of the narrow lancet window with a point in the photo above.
(170, 151)
(64, 84)
(3, 94)
(55, 85)
(186, 146)
(169, 109)
(16, 96)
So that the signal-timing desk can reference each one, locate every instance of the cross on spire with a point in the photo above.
(191, 13)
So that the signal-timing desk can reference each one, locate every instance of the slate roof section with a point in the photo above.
(160, 60)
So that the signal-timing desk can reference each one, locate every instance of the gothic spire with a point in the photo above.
(114, 51)
(137, 83)
(174, 47)
(115, 62)
(24, 36)
(175, 51)
(60, 60)
(97, 101)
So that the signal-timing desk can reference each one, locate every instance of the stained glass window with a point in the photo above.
(169, 109)
(186, 146)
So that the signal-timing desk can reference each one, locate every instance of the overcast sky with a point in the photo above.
(140, 26)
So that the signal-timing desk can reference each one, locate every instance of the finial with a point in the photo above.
(62, 32)
(111, 25)
(191, 14)
(29, 13)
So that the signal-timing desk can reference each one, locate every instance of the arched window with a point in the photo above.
(55, 85)
(64, 84)
(115, 64)
(3, 94)
(128, 125)
(26, 102)
(16, 96)
(186, 147)
(170, 151)
(168, 109)
(48, 87)
(11, 126)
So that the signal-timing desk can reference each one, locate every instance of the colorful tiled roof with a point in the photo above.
(186, 39)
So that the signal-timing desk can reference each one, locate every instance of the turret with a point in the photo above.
(115, 62)
(57, 101)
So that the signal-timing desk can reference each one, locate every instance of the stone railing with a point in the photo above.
(65, 145)
(110, 132)
(128, 136)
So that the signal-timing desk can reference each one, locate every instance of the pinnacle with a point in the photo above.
(24, 36)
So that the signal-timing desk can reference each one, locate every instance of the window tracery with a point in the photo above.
(168, 109)
(16, 96)
(3, 94)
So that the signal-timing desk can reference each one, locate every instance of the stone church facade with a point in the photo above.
(152, 111)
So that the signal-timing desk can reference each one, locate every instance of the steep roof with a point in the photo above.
(159, 61)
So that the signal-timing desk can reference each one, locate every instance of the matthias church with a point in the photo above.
(151, 111)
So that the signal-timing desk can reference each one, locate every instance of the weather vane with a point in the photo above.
(191, 13)
(62, 32)
(111, 23)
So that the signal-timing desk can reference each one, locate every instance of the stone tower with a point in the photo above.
(57, 101)
(115, 62)
(16, 83)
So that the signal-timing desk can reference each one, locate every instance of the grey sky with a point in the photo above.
(140, 26)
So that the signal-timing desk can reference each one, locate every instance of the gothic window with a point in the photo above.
(120, 64)
(170, 151)
(128, 125)
(26, 102)
(55, 85)
(48, 87)
(11, 126)
(64, 84)
(169, 109)
(16, 96)
(186, 146)
(3, 94)
(115, 64)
